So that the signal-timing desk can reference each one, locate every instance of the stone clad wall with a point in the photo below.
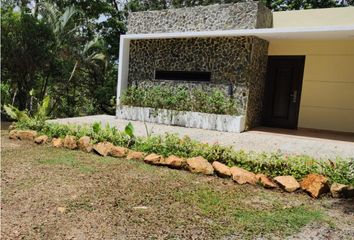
(257, 76)
(226, 57)
(242, 15)
(237, 66)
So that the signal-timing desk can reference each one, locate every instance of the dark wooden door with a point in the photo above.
(283, 91)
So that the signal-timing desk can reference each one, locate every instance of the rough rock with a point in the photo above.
(340, 190)
(70, 142)
(315, 185)
(41, 139)
(57, 142)
(221, 169)
(13, 134)
(118, 151)
(242, 176)
(85, 144)
(103, 148)
(154, 159)
(265, 181)
(12, 126)
(26, 134)
(288, 183)
(175, 162)
(61, 209)
(199, 165)
(133, 155)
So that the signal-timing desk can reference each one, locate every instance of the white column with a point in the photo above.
(123, 68)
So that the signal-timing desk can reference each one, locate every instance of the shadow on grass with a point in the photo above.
(67, 159)
(235, 213)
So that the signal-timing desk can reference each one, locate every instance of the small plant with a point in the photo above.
(15, 113)
(39, 116)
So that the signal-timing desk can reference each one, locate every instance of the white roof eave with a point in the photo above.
(315, 33)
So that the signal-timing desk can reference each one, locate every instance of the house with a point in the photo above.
(291, 69)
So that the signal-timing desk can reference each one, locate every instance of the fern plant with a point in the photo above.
(22, 116)
(15, 113)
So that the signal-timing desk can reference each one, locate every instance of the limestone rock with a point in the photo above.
(13, 134)
(57, 142)
(103, 148)
(315, 185)
(41, 139)
(242, 176)
(288, 183)
(199, 165)
(85, 144)
(26, 134)
(133, 155)
(12, 126)
(175, 162)
(221, 169)
(61, 209)
(118, 151)
(154, 159)
(340, 190)
(70, 142)
(265, 181)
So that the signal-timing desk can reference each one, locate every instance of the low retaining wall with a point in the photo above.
(225, 123)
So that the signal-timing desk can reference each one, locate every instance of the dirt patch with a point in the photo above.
(52, 193)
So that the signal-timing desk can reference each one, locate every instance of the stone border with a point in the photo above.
(225, 123)
(313, 184)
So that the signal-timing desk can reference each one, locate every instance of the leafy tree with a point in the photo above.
(282, 5)
(26, 45)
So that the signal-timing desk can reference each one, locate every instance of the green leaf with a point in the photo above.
(129, 130)
(43, 109)
(16, 114)
(96, 127)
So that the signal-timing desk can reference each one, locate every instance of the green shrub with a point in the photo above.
(271, 164)
(180, 99)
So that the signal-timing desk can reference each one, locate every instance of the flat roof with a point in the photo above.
(339, 16)
(294, 33)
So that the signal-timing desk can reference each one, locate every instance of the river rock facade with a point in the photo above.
(237, 64)
(243, 15)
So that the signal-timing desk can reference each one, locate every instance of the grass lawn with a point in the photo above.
(52, 193)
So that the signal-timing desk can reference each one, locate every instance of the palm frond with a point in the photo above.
(15, 113)
(43, 109)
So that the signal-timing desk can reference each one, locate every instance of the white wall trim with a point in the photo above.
(123, 68)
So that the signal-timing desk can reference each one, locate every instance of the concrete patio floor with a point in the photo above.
(319, 144)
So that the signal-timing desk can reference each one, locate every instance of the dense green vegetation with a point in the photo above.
(180, 99)
(69, 49)
(274, 164)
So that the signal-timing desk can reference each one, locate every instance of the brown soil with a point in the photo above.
(52, 193)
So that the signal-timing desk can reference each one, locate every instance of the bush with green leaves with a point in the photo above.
(180, 99)
(272, 164)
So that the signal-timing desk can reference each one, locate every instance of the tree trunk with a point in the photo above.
(22, 98)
